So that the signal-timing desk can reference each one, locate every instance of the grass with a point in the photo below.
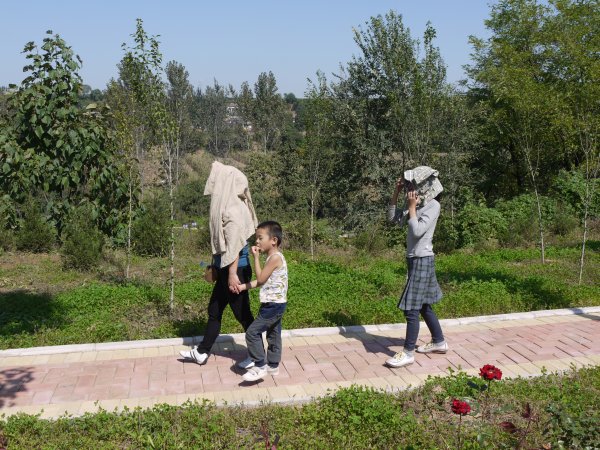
(42, 304)
(563, 414)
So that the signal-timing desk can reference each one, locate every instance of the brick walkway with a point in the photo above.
(77, 379)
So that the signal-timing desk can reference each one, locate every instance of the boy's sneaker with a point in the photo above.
(273, 370)
(441, 347)
(400, 360)
(246, 364)
(255, 373)
(193, 355)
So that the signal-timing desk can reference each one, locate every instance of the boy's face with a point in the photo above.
(264, 242)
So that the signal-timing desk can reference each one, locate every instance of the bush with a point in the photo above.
(151, 231)
(82, 240)
(372, 240)
(522, 214)
(477, 224)
(296, 234)
(445, 238)
(35, 234)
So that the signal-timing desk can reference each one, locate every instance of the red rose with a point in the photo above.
(489, 372)
(460, 407)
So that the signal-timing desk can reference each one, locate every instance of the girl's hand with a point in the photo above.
(399, 185)
(255, 250)
(412, 199)
(241, 287)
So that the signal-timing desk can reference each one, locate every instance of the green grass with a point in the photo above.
(564, 414)
(41, 304)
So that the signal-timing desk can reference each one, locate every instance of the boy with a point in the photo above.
(273, 280)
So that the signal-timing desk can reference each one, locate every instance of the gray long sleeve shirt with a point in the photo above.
(420, 229)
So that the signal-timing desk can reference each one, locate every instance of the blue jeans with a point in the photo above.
(269, 320)
(412, 326)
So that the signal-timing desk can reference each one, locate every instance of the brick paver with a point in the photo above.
(80, 381)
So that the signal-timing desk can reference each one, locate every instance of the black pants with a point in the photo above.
(412, 326)
(220, 298)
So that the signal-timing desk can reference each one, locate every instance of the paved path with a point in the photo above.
(81, 378)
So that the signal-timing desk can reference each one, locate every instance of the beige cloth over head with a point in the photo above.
(232, 216)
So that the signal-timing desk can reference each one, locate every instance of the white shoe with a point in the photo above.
(246, 364)
(255, 373)
(273, 370)
(400, 360)
(441, 347)
(193, 355)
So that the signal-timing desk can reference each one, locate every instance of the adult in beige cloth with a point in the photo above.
(232, 221)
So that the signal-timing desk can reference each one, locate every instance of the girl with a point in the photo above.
(422, 289)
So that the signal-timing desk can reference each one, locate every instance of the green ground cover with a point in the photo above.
(558, 412)
(42, 304)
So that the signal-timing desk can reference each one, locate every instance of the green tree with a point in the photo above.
(270, 112)
(317, 156)
(388, 115)
(213, 112)
(180, 97)
(49, 145)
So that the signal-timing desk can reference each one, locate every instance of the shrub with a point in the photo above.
(445, 238)
(150, 232)
(296, 234)
(35, 234)
(477, 224)
(371, 240)
(82, 240)
(522, 214)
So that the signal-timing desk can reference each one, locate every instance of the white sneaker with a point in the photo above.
(255, 373)
(246, 364)
(273, 370)
(193, 355)
(400, 360)
(441, 347)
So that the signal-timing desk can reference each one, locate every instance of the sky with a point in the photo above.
(231, 41)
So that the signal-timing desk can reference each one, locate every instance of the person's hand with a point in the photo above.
(233, 283)
(255, 250)
(399, 185)
(412, 199)
(240, 288)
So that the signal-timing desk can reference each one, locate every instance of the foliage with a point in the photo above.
(50, 145)
(82, 241)
(151, 230)
(477, 224)
(35, 233)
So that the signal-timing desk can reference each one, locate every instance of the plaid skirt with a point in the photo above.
(421, 285)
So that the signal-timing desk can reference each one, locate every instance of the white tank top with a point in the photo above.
(275, 289)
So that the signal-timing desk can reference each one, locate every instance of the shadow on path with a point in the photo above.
(12, 381)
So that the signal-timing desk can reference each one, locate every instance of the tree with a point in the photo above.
(574, 44)
(246, 106)
(537, 77)
(388, 101)
(180, 96)
(270, 113)
(213, 112)
(317, 156)
(49, 146)
(133, 99)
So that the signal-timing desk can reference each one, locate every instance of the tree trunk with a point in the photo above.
(532, 172)
(312, 223)
(172, 256)
(130, 219)
(541, 226)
